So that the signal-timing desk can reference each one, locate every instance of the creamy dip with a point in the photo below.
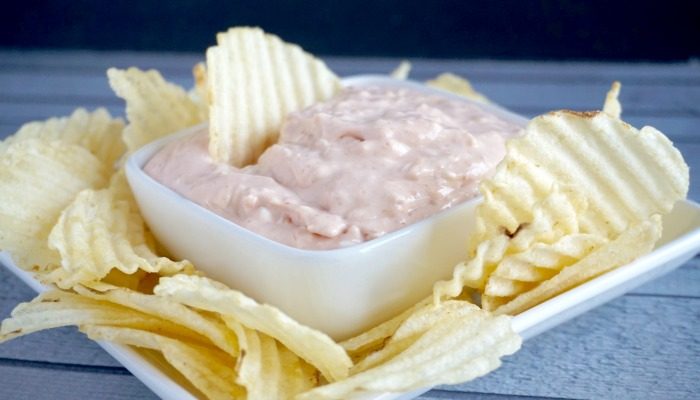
(367, 162)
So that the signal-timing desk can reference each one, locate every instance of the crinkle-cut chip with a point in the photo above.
(54, 309)
(473, 273)
(96, 131)
(632, 243)
(268, 370)
(456, 84)
(543, 260)
(626, 175)
(211, 328)
(538, 249)
(38, 179)
(520, 272)
(255, 79)
(489, 303)
(199, 92)
(402, 71)
(612, 177)
(102, 230)
(612, 105)
(375, 337)
(154, 107)
(209, 370)
(313, 346)
(449, 343)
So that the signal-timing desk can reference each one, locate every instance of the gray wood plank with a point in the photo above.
(631, 348)
(656, 99)
(31, 382)
(447, 394)
(84, 61)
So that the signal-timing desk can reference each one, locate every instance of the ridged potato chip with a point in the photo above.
(612, 104)
(154, 107)
(211, 371)
(449, 343)
(267, 369)
(375, 337)
(255, 79)
(96, 131)
(57, 308)
(629, 245)
(102, 230)
(456, 84)
(313, 346)
(402, 71)
(199, 92)
(566, 190)
(625, 174)
(38, 178)
(211, 328)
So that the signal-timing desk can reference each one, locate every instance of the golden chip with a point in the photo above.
(612, 105)
(629, 245)
(457, 85)
(211, 371)
(154, 107)
(368, 341)
(255, 79)
(199, 92)
(100, 231)
(450, 343)
(56, 308)
(402, 71)
(267, 369)
(570, 186)
(211, 328)
(96, 131)
(38, 178)
(313, 346)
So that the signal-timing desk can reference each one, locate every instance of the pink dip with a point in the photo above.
(367, 162)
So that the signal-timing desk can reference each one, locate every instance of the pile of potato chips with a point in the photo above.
(577, 195)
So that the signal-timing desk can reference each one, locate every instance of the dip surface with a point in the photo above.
(369, 161)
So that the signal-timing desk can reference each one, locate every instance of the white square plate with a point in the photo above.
(680, 242)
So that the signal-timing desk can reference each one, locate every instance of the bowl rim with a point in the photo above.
(136, 161)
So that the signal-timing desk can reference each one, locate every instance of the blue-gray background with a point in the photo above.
(597, 30)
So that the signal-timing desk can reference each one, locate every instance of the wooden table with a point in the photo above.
(645, 344)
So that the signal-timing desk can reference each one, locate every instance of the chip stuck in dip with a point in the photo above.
(364, 163)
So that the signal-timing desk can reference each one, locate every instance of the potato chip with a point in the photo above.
(102, 230)
(450, 343)
(455, 84)
(376, 336)
(38, 179)
(313, 346)
(626, 175)
(623, 175)
(255, 79)
(211, 371)
(96, 131)
(612, 105)
(267, 369)
(199, 92)
(154, 107)
(56, 308)
(402, 71)
(212, 328)
(539, 249)
(629, 245)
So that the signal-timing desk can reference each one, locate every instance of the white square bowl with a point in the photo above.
(341, 292)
